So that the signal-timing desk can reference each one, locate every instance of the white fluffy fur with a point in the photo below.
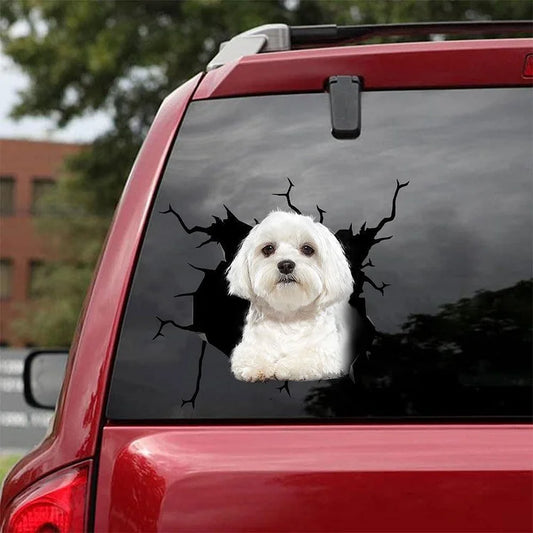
(298, 330)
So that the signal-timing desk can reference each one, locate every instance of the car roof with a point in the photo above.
(281, 37)
(418, 65)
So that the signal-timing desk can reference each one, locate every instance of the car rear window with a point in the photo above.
(436, 196)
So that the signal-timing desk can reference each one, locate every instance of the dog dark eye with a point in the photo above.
(268, 250)
(307, 250)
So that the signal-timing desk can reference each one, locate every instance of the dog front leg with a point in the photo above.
(249, 364)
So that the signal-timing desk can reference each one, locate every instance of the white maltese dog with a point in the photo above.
(295, 275)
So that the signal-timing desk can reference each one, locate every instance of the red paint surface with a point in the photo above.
(316, 478)
(496, 63)
(80, 409)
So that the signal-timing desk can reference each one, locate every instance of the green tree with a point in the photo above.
(472, 355)
(124, 57)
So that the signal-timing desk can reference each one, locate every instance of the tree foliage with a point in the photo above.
(124, 57)
(471, 357)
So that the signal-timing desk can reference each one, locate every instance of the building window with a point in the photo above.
(40, 188)
(6, 278)
(35, 289)
(7, 195)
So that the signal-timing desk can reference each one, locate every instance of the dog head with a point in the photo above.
(289, 261)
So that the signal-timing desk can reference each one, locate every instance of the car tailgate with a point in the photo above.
(315, 478)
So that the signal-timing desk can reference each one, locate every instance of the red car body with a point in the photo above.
(337, 477)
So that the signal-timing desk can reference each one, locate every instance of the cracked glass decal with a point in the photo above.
(441, 311)
(322, 315)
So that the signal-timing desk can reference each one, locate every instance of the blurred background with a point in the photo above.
(80, 84)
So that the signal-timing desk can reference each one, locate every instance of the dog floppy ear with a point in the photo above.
(338, 281)
(238, 274)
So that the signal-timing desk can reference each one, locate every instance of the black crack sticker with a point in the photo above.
(218, 317)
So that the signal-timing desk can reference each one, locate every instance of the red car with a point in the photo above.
(417, 157)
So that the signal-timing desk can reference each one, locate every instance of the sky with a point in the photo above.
(12, 81)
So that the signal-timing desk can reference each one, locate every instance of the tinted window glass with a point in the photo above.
(449, 294)
(6, 278)
(35, 284)
(41, 187)
(7, 195)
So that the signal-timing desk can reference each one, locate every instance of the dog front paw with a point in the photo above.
(250, 374)
(249, 365)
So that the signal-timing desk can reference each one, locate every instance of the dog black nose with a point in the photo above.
(286, 267)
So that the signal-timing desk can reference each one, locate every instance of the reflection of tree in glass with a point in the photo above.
(473, 358)
(219, 318)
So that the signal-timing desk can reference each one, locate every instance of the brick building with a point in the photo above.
(27, 170)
